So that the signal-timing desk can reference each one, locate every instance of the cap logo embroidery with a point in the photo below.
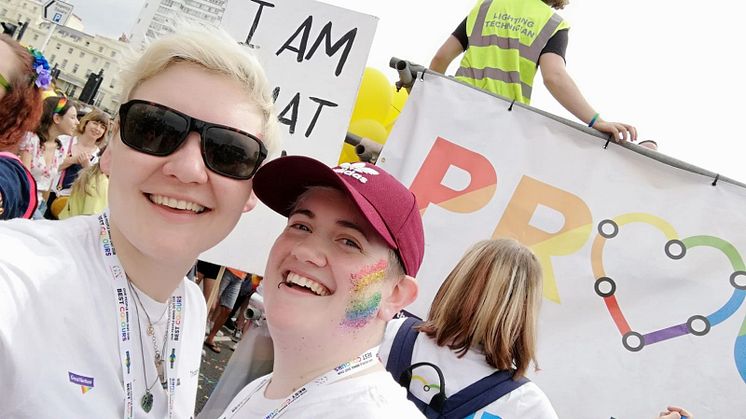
(355, 170)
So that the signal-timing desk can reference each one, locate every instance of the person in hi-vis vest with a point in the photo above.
(505, 41)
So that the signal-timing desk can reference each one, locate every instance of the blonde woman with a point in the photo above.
(106, 325)
(481, 329)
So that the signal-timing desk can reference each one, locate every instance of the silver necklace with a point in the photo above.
(146, 402)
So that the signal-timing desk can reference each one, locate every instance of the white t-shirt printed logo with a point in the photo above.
(356, 170)
(85, 383)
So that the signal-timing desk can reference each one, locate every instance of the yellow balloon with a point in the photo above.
(374, 97)
(369, 128)
(398, 100)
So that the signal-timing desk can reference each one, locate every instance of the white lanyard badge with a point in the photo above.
(364, 361)
(124, 328)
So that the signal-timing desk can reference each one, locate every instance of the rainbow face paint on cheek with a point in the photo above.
(363, 307)
(361, 310)
(368, 276)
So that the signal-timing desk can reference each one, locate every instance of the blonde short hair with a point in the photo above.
(215, 50)
(490, 302)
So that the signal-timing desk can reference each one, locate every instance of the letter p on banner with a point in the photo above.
(428, 184)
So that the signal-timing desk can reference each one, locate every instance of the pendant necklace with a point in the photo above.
(146, 402)
(159, 360)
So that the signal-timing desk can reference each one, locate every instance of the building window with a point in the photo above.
(58, 46)
(82, 54)
(64, 63)
(100, 49)
(75, 68)
(52, 57)
(69, 50)
(106, 65)
(36, 36)
(113, 54)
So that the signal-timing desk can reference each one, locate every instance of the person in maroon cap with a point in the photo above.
(344, 266)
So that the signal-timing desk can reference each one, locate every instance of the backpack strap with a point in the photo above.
(400, 356)
(481, 394)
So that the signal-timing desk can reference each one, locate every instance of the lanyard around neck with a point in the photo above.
(124, 324)
(360, 363)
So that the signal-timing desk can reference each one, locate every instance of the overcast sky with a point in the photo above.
(669, 70)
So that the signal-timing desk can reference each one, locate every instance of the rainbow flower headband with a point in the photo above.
(43, 78)
(60, 105)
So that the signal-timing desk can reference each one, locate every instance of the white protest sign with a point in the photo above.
(644, 277)
(314, 55)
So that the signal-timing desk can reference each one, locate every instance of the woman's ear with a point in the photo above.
(403, 293)
(56, 118)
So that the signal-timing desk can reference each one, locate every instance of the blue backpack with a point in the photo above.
(460, 405)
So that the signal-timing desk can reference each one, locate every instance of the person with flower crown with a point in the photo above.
(24, 74)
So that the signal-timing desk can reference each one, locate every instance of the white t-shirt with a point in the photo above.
(367, 396)
(58, 328)
(525, 402)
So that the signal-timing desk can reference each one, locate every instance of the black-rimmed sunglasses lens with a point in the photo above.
(231, 153)
(153, 130)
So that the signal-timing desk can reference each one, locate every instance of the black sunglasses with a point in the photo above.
(158, 130)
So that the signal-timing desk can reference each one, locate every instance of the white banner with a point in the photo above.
(314, 55)
(644, 277)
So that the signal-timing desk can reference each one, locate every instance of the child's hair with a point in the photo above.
(82, 184)
(490, 301)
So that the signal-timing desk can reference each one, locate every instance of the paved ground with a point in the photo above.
(212, 367)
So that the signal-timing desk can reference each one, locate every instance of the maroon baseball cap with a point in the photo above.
(387, 204)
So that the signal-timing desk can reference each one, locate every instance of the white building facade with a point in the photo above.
(75, 53)
(158, 17)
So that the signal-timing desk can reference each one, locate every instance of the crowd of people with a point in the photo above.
(109, 308)
(58, 143)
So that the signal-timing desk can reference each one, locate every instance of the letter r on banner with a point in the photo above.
(516, 223)
(429, 189)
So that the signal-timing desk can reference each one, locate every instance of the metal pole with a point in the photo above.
(22, 30)
(49, 36)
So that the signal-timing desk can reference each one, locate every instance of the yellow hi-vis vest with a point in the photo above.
(506, 38)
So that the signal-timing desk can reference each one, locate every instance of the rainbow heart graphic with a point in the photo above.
(675, 248)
